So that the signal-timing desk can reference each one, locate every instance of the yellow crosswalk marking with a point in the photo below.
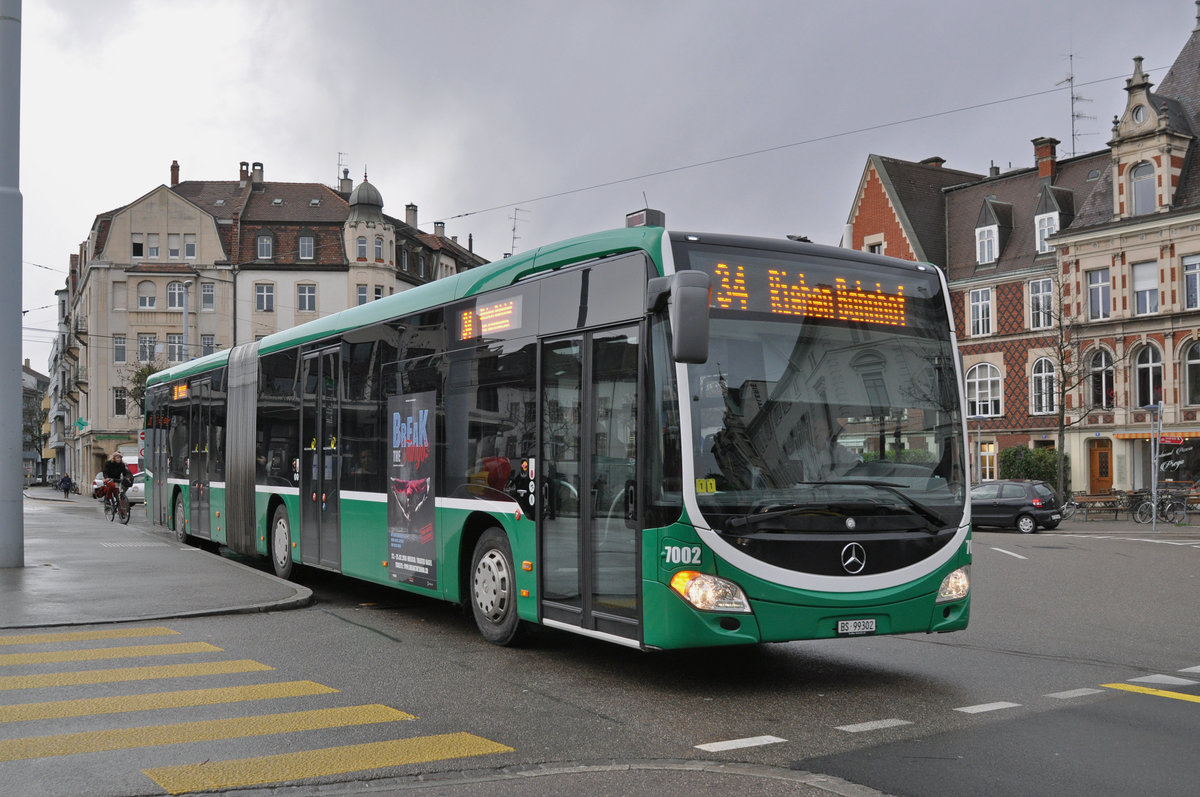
(81, 636)
(120, 674)
(202, 731)
(95, 654)
(84, 707)
(1145, 690)
(216, 775)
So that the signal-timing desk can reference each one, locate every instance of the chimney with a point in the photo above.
(410, 215)
(244, 172)
(993, 170)
(257, 175)
(439, 229)
(174, 173)
(470, 242)
(936, 161)
(347, 184)
(1045, 155)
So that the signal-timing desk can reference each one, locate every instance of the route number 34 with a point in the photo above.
(682, 554)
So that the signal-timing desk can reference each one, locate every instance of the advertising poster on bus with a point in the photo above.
(412, 551)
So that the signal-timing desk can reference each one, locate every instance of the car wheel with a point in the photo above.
(494, 589)
(1026, 524)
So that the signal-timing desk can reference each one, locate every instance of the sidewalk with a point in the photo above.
(81, 568)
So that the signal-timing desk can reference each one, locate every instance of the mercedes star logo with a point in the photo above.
(854, 558)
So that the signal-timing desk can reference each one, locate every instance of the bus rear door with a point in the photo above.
(588, 519)
(320, 532)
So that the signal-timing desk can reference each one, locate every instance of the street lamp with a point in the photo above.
(1155, 411)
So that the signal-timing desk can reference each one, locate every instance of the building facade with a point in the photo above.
(1075, 285)
(196, 266)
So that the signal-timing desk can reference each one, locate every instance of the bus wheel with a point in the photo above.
(281, 542)
(180, 520)
(494, 589)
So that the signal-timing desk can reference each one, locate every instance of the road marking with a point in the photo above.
(120, 674)
(1145, 690)
(1075, 693)
(218, 775)
(877, 725)
(1010, 553)
(91, 706)
(735, 744)
(94, 654)
(1166, 680)
(202, 731)
(982, 707)
(79, 636)
(1190, 669)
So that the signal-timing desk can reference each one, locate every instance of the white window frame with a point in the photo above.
(264, 246)
(1145, 287)
(147, 343)
(1191, 282)
(1142, 179)
(1149, 367)
(306, 298)
(175, 294)
(118, 348)
(1043, 384)
(986, 239)
(152, 245)
(189, 246)
(175, 346)
(985, 391)
(208, 344)
(1045, 225)
(362, 294)
(980, 312)
(264, 297)
(360, 247)
(147, 301)
(1103, 376)
(306, 247)
(1041, 303)
(208, 296)
(137, 247)
(1099, 293)
(173, 246)
(120, 402)
(378, 249)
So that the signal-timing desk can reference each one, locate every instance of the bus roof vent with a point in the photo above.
(646, 218)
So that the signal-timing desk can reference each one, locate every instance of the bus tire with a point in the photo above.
(180, 516)
(281, 542)
(494, 589)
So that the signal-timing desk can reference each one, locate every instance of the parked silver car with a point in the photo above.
(137, 491)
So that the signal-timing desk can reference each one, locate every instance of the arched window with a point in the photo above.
(175, 296)
(1192, 369)
(983, 390)
(1149, 376)
(1043, 387)
(1141, 188)
(361, 253)
(1103, 391)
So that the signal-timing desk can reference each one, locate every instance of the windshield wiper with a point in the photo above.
(746, 520)
(894, 489)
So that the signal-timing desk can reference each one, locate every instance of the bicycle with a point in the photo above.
(116, 505)
(1170, 510)
(1069, 508)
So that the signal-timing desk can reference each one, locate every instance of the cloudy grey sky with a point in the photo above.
(751, 117)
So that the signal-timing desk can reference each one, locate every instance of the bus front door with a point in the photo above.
(588, 521)
(200, 425)
(320, 531)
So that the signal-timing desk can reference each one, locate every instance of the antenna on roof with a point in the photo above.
(1070, 81)
(515, 237)
(343, 163)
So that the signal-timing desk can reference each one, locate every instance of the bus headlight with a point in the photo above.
(709, 593)
(955, 586)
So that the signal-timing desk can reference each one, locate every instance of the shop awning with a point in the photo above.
(1166, 435)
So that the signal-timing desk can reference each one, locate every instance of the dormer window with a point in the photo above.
(264, 247)
(1141, 188)
(985, 243)
(1047, 225)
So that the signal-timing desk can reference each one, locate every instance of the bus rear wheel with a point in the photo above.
(281, 543)
(180, 520)
(494, 589)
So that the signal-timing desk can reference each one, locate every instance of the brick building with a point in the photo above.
(1103, 248)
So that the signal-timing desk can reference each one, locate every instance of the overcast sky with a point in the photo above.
(740, 117)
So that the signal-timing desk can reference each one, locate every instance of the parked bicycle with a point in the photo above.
(1170, 509)
(116, 505)
(1069, 507)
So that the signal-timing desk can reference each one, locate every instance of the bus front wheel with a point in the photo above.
(281, 543)
(493, 588)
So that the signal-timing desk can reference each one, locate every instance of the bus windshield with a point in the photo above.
(828, 400)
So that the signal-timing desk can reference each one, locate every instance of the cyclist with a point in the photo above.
(116, 470)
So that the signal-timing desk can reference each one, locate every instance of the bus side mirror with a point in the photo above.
(686, 296)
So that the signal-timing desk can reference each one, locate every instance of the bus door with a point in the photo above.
(320, 533)
(588, 521)
(200, 424)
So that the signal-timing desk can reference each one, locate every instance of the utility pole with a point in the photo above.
(12, 521)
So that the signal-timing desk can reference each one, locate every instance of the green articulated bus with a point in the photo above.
(659, 439)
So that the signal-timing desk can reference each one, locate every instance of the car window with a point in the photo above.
(985, 492)
(1015, 491)
(1043, 492)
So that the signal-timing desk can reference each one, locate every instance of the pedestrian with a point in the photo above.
(64, 484)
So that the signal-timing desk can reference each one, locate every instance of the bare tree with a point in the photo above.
(135, 376)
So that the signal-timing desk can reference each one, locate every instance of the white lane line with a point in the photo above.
(1169, 680)
(877, 725)
(982, 707)
(1010, 553)
(1190, 669)
(1075, 693)
(734, 744)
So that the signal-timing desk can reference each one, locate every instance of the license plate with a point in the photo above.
(1056, 517)
(852, 627)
